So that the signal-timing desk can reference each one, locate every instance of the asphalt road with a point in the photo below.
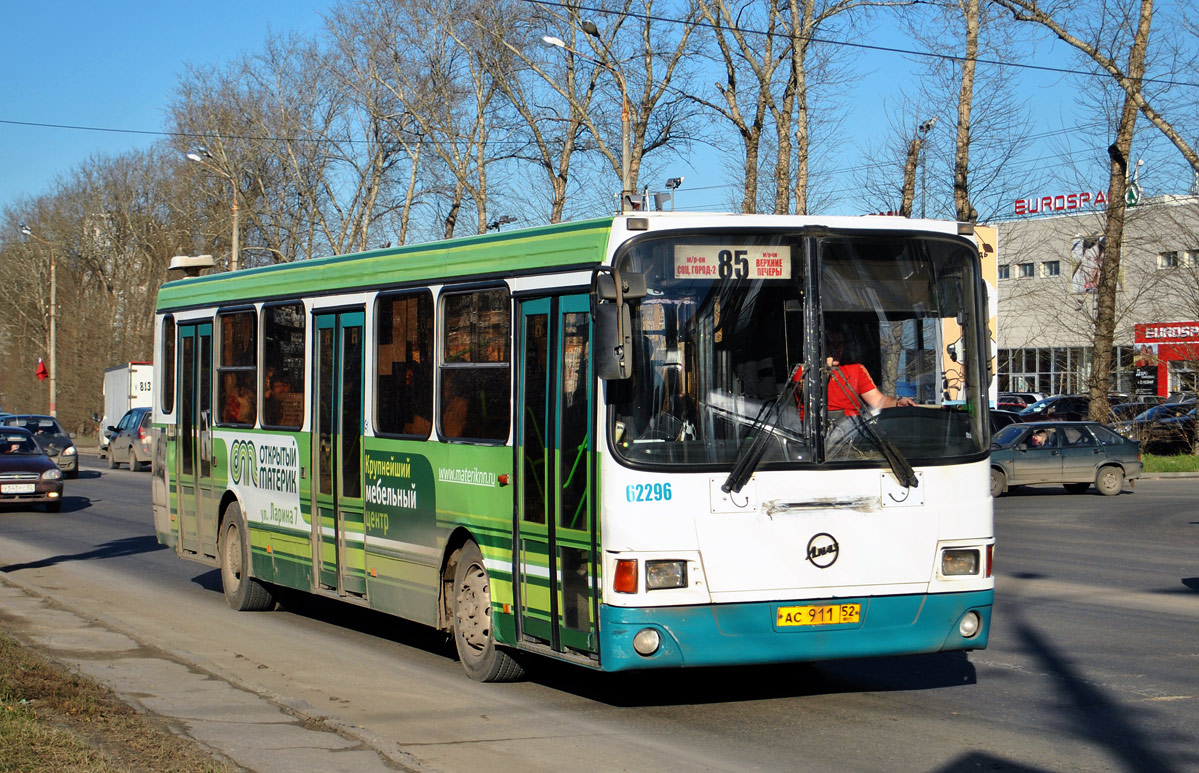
(1093, 661)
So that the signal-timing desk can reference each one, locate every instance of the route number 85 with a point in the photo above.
(732, 264)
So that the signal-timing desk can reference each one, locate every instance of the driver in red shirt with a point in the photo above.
(858, 380)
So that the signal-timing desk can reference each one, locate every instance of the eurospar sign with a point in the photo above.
(1167, 332)
(1064, 202)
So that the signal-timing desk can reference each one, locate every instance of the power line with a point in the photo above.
(851, 44)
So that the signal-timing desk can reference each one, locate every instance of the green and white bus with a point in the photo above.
(612, 442)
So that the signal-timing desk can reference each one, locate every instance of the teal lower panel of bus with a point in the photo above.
(740, 634)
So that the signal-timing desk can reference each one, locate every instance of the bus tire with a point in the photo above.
(474, 633)
(1110, 480)
(998, 482)
(243, 592)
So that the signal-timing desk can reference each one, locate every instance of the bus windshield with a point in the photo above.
(881, 333)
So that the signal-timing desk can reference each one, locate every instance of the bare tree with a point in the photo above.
(1117, 40)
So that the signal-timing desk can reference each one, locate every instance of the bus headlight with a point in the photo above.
(665, 574)
(956, 562)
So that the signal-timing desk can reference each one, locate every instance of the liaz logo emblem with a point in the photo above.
(823, 550)
(243, 465)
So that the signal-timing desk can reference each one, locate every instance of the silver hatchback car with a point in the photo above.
(1074, 454)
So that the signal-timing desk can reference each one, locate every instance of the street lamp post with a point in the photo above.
(924, 129)
(53, 345)
(198, 155)
(626, 184)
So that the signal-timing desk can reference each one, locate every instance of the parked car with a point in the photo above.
(1058, 408)
(1027, 398)
(1136, 427)
(51, 438)
(27, 475)
(130, 440)
(1122, 413)
(1069, 453)
(1172, 433)
(1000, 419)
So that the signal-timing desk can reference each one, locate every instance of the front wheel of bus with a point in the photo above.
(474, 633)
(243, 592)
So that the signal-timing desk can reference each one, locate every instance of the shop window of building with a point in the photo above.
(1051, 268)
(1005, 272)
(1027, 270)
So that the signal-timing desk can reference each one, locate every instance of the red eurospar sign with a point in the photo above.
(1167, 332)
(1063, 202)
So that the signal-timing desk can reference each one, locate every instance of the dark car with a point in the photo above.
(1025, 398)
(1172, 433)
(1121, 413)
(1074, 454)
(130, 440)
(1058, 408)
(1137, 427)
(1000, 419)
(27, 475)
(51, 438)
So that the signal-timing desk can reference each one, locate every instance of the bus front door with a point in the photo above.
(555, 529)
(337, 452)
(193, 457)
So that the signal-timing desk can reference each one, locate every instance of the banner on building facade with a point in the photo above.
(1086, 256)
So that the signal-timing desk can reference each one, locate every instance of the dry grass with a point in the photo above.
(54, 720)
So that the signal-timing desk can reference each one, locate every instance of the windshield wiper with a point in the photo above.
(754, 445)
(870, 426)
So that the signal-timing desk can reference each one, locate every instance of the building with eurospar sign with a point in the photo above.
(1049, 255)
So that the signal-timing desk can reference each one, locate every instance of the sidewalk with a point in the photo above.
(257, 732)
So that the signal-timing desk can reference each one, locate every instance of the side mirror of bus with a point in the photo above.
(613, 342)
(610, 293)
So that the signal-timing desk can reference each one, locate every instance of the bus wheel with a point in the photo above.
(243, 592)
(474, 634)
(1110, 481)
(998, 483)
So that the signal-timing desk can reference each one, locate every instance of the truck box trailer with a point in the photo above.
(126, 386)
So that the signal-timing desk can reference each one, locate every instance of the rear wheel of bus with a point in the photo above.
(474, 634)
(243, 592)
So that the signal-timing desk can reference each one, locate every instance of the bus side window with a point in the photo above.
(237, 379)
(404, 357)
(475, 382)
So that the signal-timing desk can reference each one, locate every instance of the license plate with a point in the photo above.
(825, 614)
(18, 488)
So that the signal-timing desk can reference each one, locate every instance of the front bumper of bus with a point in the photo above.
(742, 634)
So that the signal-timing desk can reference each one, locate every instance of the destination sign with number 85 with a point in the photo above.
(714, 261)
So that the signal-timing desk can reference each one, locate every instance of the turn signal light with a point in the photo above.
(625, 580)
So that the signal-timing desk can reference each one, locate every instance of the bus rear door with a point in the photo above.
(194, 488)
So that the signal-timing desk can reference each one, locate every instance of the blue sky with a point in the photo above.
(111, 65)
(114, 66)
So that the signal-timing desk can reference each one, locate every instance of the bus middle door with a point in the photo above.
(555, 530)
(337, 452)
